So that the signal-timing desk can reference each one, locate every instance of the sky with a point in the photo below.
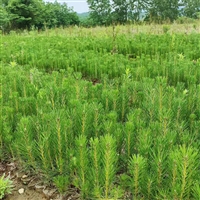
(79, 6)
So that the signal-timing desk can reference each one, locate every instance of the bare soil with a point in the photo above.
(31, 186)
(27, 186)
(27, 195)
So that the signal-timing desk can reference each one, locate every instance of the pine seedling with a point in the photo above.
(150, 102)
(7, 126)
(196, 190)
(45, 125)
(174, 176)
(159, 165)
(77, 86)
(105, 99)
(187, 165)
(137, 168)
(15, 96)
(124, 101)
(109, 156)
(59, 157)
(68, 135)
(118, 133)
(83, 167)
(115, 95)
(97, 117)
(75, 113)
(25, 141)
(117, 193)
(144, 141)
(171, 91)
(149, 187)
(161, 94)
(84, 120)
(62, 183)
(129, 131)
(110, 122)
(42, 145)
(192, 119)
(96, 165)
(61, 140)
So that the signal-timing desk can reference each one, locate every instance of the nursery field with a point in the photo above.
(111, 113)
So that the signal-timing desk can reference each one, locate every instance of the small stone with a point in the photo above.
(39, 187)
(49, 193)
(21, 190)
(26, 180)
(24, 176)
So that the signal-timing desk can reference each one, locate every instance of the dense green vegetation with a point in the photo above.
(36, 14)
(114, 114)
(105, 12)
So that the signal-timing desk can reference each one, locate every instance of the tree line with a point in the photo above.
(25, 14)
(105, 12)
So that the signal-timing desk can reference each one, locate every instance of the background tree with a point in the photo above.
(190, 8)
(4, 17)
(24, 13)
(56, 15)
(100, 11)
(163, 10)
(120, 11)
(135, 8)
(107, 11)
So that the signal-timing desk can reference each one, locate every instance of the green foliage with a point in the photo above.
(100, 12)
(24, 14)
(137, 167)
(31, 14)
(4, 18)
(118, 11)
(62, 183)
(117, 125)
(109, 163)
(56, 15)
(5, 186)
(82, 166)
(163, 10)
(37, 14)
(135, 9)
(185, 20)
(96, 164)
(190, 8)
(185, 161)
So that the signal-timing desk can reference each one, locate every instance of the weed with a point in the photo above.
(6, 186)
